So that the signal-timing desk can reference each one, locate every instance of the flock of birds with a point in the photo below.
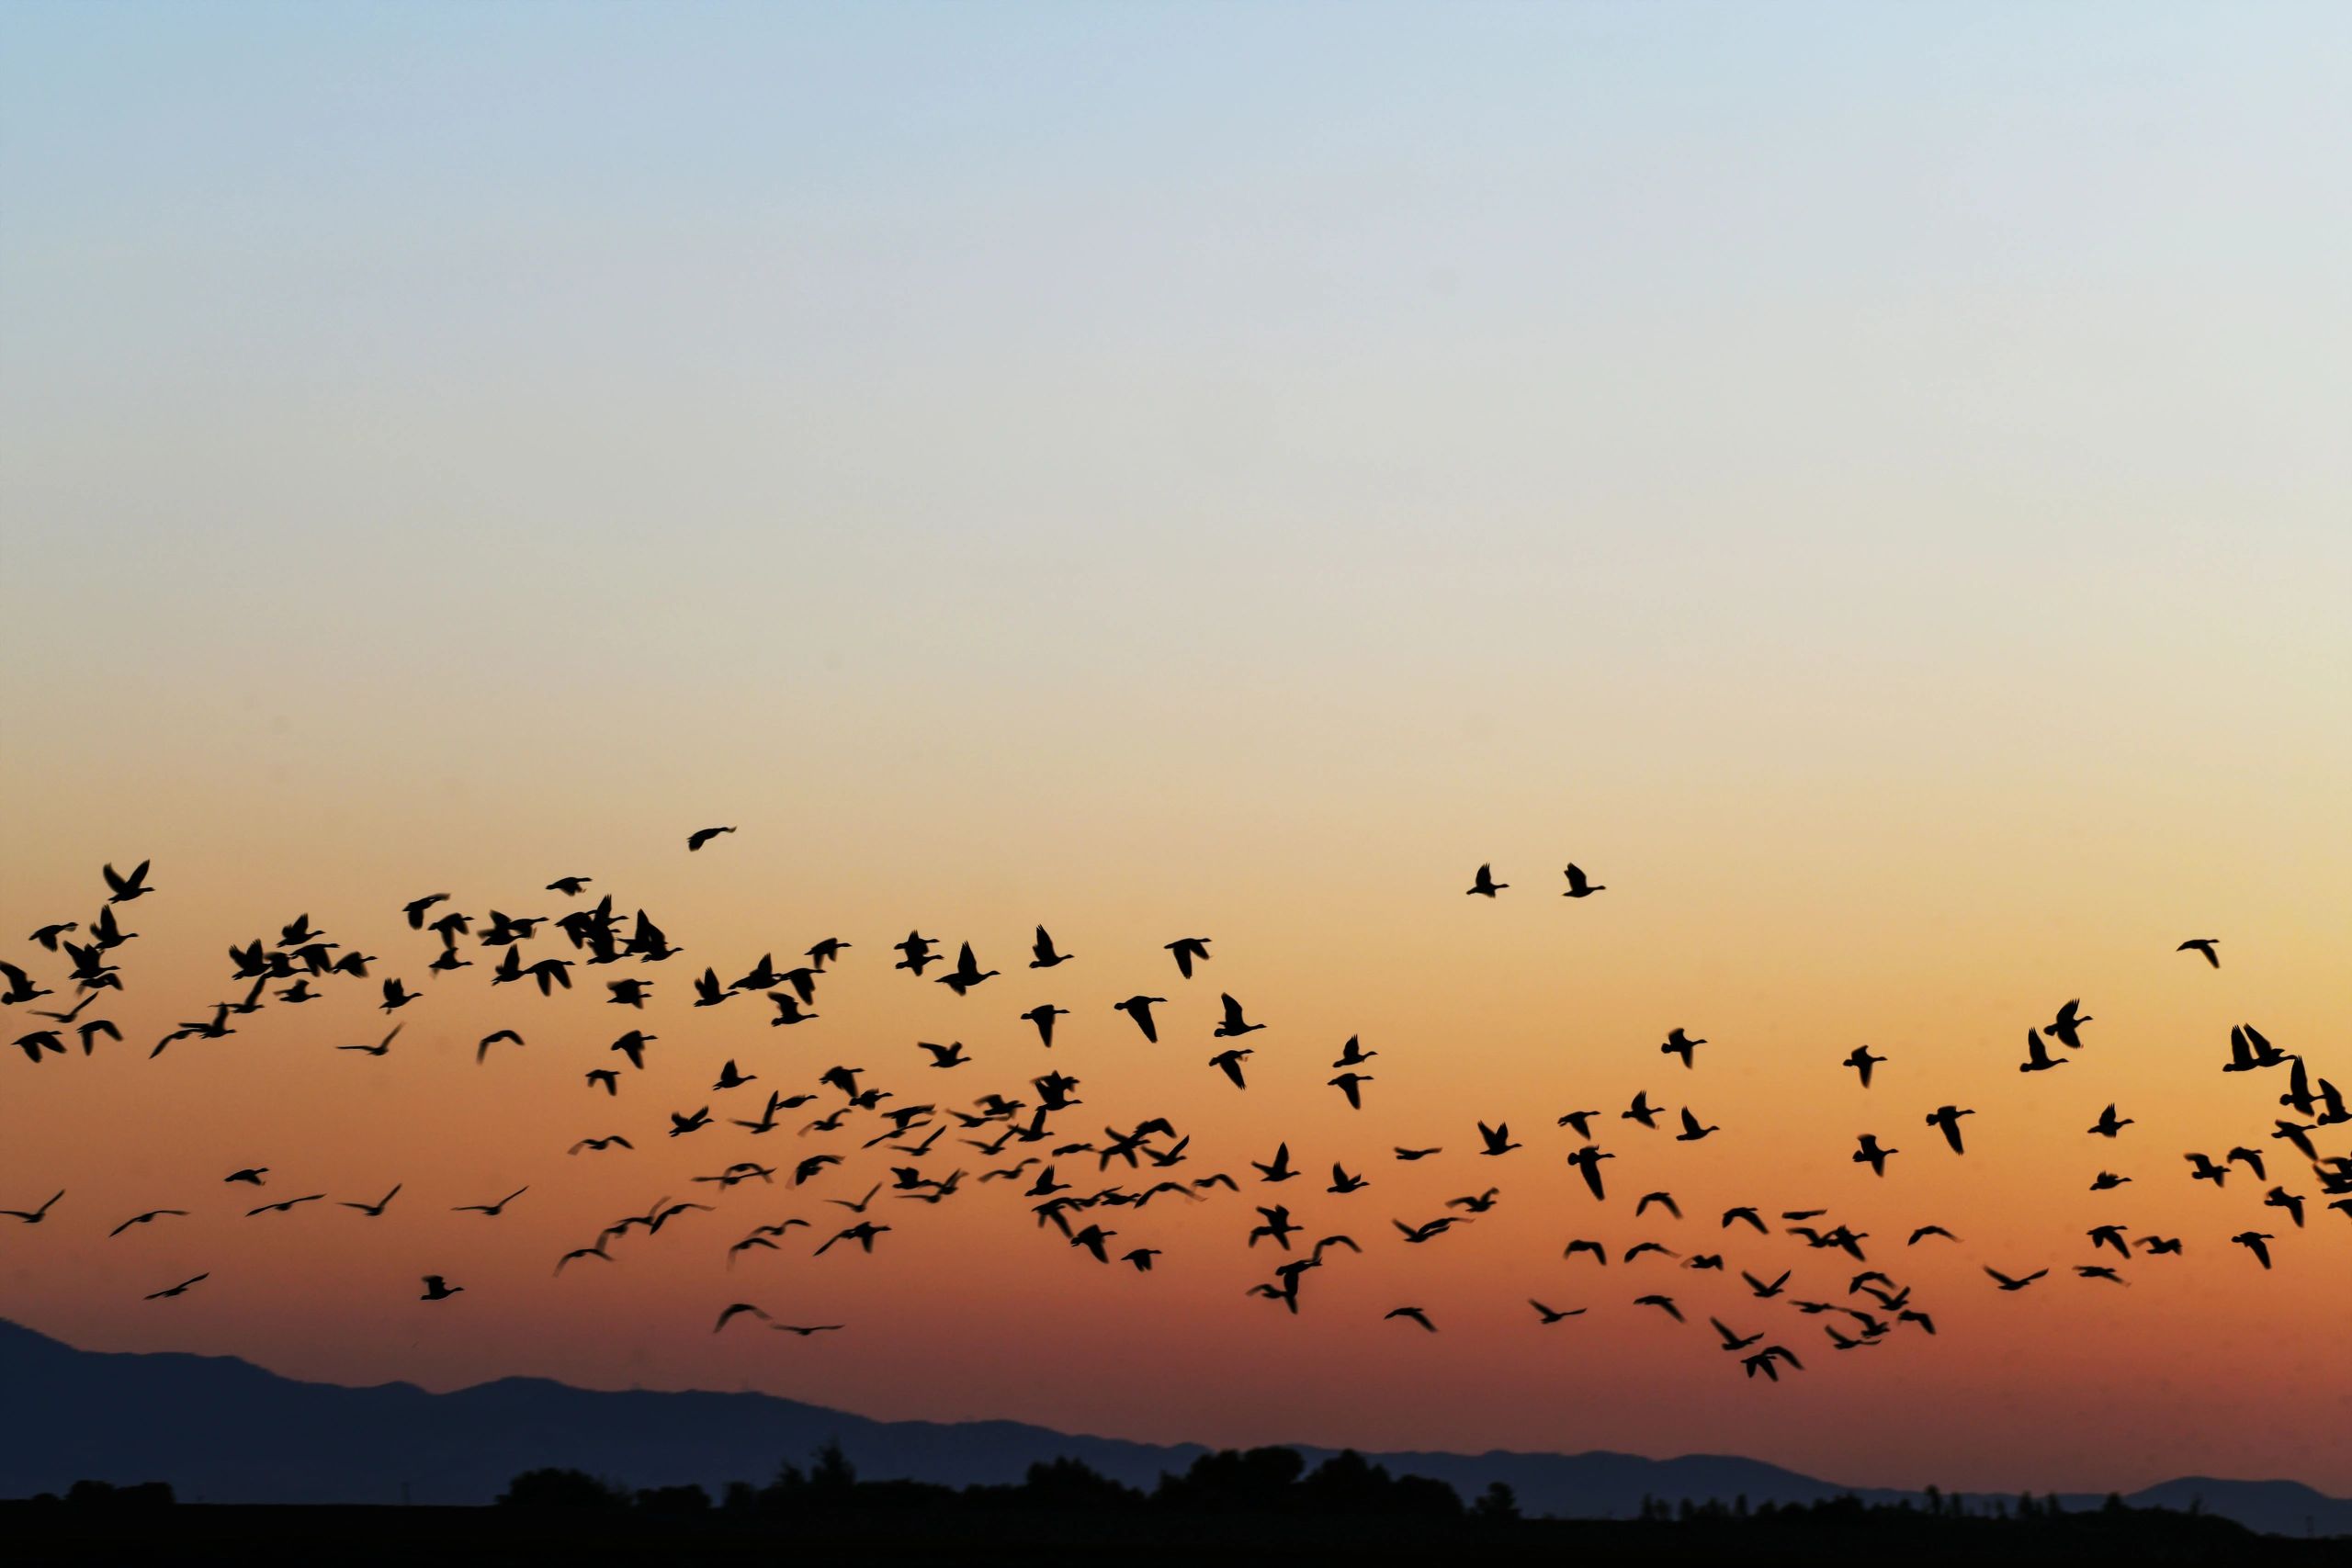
(1022, 1128)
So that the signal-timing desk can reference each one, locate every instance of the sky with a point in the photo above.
(1868, 483)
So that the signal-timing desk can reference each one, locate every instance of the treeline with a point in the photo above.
(1266, 1495)
(1255, 1482)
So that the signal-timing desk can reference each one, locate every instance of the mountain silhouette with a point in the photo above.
(224, 1430)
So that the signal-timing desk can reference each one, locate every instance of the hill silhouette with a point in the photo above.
(219, 1429)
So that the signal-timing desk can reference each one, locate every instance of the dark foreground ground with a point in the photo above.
(39, 1532)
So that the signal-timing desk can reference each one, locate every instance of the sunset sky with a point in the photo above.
(1869, 484)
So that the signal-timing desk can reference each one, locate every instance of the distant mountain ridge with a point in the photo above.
(220, 1429)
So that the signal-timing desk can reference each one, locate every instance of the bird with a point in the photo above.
(1413, 1315)
(1046, 957)
(1678, 1043)
(1139, 1007)
(1579, 887)
(251, 1175)
(381, 1046)
(180, 1289)
(1868, 1152)
(1946, 1120)
(1234, 1025)
(1496, 1139)
(2255, 1241)
(1484, 884)
(702, 836)
(1547, 1315)
(493, 1210)
(804, 1330)
(147, 1218)
(967, 974)
(1042, 1016)
(2066, 1027)
(2203, 944)
(2107, 1126)
(436, 1289)
(2008, 1283)
(1230, 1061)
(285, 1206)
(1189, 951)
(1692, 1132)
(1350, 1085)
(736, 1310)
(2037, 1055)
(1664, 1303)
(123, 889)
(1587, 1162)
(1861, 1061)
(34, 1216)
(376, 1210)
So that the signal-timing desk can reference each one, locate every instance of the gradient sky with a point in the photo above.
(1870, 483)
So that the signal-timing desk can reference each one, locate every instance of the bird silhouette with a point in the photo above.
(1484, 884)
(178, 1290)
(1861, 1061)
(436, 1289)
(1189, 951)
(375, 1211)
(1412, 1314)
(2203, 944)
(1577, 887)
(702, 836)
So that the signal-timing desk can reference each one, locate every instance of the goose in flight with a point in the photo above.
(702, 836)
(1691, 1131)
(287, 1206)
(967, 974)
(1413, 1315)
(1678, 1043)
(2037, 1059)
(1587, 1162)
(147, 1218)
(1867, 1152)
(1861, 1061)
(1350, 1085)
(493, 1210)
(1496, 1139)
(2203, 944)
(1189, 951)
(123, 889)
(381, 1046)
(1234, 1025)
(2108, 1126)
(1044, 949)
(33, 1216)
(1946, 1120)
(1230, 1061)
(1484, 884)
(375, 1211)
(1139, 1007)
(180, 1289)
(2066, 1027)
(731, 1313)
(1548, 1316)
(1579, 887)
(436, 1289)
(1042, 1016)
(2257, 1242)
(2008, 1283)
